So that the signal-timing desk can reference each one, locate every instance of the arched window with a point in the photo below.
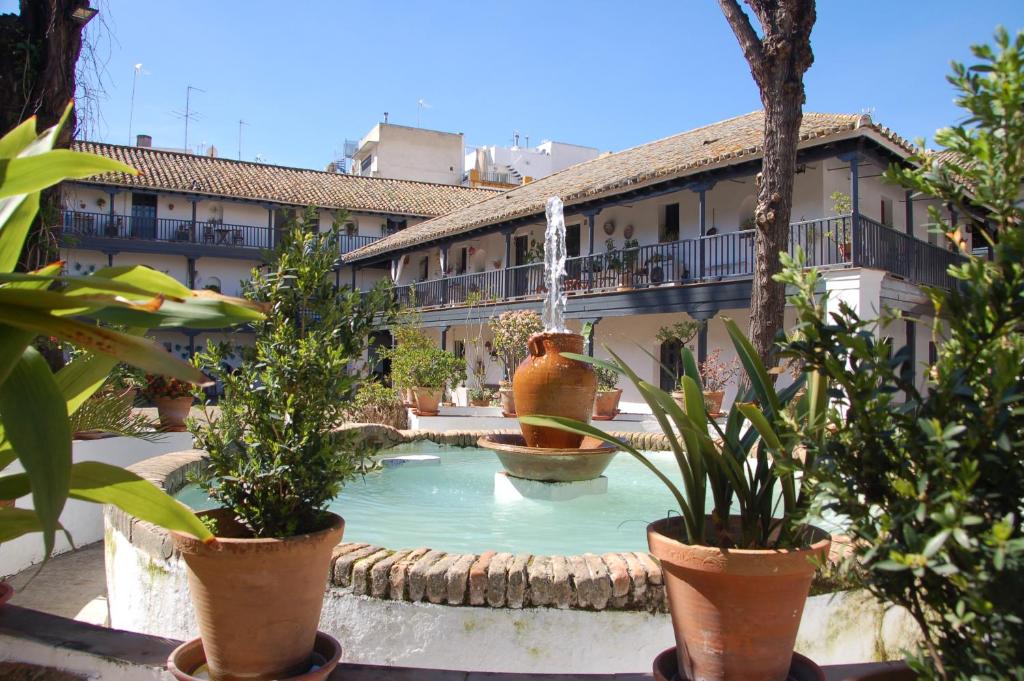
(671, 364)
(212, 284)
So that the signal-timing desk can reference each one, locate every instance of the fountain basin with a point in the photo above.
(585, 462)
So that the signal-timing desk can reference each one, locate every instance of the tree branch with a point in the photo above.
(751, 45)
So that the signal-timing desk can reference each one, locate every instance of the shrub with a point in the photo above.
(607, 379)
(275, 458)
(931, 481)
(375, 402)
(511, 331)
(715, 373)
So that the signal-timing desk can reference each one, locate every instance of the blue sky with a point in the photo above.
(308, 74)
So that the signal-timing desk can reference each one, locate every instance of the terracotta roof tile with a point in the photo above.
(187, 173)
(729, 141)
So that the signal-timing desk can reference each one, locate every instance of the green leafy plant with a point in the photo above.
(682, 332)
(511, 331)
(165, 387)
(436, 368)
(607, 379)
(275, 457)
(35, 403)
(931, 479)
(719, 465)
(375, 402)
(716, 373)
(113, 413)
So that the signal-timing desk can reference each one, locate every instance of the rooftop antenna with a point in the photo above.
(131, 109)
(240, 124)
(189, 113)
(385, 118)
(515, 138)
(421, 104)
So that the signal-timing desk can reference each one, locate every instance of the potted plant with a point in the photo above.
(173, 400)
(407, 336)
(715, 375)
(930, 478)
(726, 574)
(606, 404)
(35, 304)
(480, 397)
(842, 206)
(276, 460)
(512, 331)
(433, 369)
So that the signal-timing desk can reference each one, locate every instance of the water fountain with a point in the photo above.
(550, 384)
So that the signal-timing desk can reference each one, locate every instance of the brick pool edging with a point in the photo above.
(629, 581)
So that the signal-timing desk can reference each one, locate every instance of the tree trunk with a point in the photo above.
(39, 52)
(778, 61)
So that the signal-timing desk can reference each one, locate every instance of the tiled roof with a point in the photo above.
(190, 174)
(723, 143)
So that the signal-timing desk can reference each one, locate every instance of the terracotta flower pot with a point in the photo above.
(428, 400)
(508, 401)
(258, 601)
(606, 404)
(551, 385)
(479, 403)
(189, 658)
(735, 611)
(173, 411)
(713, 401)
(679, 398)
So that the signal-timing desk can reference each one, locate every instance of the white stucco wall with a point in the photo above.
(84, 520)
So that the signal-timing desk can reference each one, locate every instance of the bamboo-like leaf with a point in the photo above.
(690, 366)
(12, 343)
(760, 422)
(817, 404)
(751, 361)
(15, 522)
(693, 398)
(65, 304)
(196, 313)
(102, 483)
(141, 352)
(36, 423)
(28, 174)
(82, 377)
(16, 215)
(18, 139)
(146, 279)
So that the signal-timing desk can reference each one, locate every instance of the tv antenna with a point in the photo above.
(131, 111)
(421, 104)
(240, 124)
(189, 114)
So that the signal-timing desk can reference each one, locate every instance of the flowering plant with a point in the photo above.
(161, 386)
(511, 332)
(715, 373)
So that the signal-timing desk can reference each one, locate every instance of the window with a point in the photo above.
(572, 241)
(460, 349)
(670, 228)
(885, 212)
(365, 165)
(424, 268)
(394, 226)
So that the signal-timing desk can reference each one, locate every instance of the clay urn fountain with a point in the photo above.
(548, 383)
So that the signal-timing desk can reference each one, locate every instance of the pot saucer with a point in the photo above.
(666, 668)
(596, 417)
(586, 462)
(190, 656)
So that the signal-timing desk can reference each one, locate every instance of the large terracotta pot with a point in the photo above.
(508, 401)
(606, 404)
(735, 611)
(548, 384)
(258, 601)
(713, 401)
(172, 412)
(428, 400)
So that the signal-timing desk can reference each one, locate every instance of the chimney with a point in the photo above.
(143, 141)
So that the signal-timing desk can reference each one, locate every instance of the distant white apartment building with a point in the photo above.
(505, 167)
(400, 152)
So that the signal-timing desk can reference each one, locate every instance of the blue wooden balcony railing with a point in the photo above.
(210, 233)
(826, 242)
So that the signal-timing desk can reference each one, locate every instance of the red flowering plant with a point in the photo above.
(716, 373)
(164, 387)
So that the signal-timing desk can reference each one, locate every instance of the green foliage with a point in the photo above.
(683, 332)
(275, 458)
(375, 402)
(727, 465)
(112, 412)
(931, 481)
(607, 379)
(35, 404)
(842, 204)
(511, 331)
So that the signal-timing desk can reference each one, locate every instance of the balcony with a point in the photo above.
(85, 227)
(830, 242)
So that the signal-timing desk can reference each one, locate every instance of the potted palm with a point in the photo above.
(173, 400)
(275, 462)
(35, 304)
(512, 331)
(606, 404)
(727, 574)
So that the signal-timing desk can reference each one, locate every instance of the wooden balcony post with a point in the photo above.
(508, 261)
(909, 220)
(702, 212)
(856, 237)
(591, 218)
(192, 228)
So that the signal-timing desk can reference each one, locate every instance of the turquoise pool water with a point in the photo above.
(451, 506)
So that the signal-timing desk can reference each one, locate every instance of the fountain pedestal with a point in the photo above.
(508, 488)
(586, 462)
